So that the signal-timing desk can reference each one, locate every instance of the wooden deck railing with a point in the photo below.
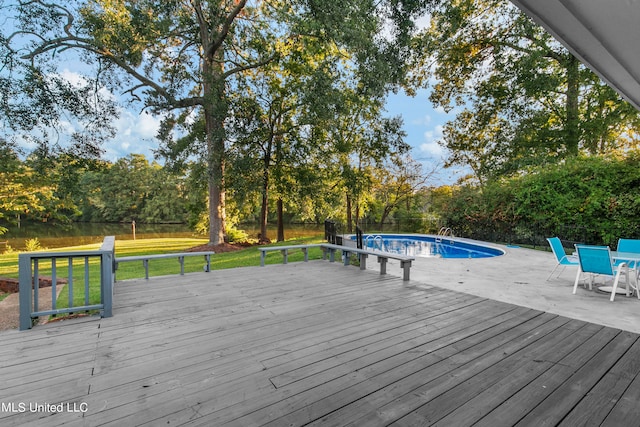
(29, 270)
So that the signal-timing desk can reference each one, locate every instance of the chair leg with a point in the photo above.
(553, 271)
(626, 276)
(615, 286)
(575, 285)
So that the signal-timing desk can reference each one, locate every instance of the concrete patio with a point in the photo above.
(519, 277)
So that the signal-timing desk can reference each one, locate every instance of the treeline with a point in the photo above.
(593, 199)
(64, 188)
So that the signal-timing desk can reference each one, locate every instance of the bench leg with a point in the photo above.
(347, 257)
(363, 261)
(383, 265)
(406, 266)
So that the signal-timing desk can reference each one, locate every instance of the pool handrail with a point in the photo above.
(376, 238)
(443, 232)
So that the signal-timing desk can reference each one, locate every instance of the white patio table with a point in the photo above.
(628, 257)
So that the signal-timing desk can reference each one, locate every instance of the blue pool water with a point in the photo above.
(422, 245)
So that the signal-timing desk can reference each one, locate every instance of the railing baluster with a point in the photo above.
(86, 280)
(54, 279)
(70, 282)
(36, 285)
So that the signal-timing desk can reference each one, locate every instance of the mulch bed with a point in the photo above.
(221, 248)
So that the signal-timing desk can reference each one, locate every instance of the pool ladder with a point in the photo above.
(376, 243)
(444, 232)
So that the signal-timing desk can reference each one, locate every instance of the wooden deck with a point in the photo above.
(316, 344)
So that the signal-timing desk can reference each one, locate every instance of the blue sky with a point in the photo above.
(423, 125)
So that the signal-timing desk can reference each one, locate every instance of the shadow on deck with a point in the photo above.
(319, 344)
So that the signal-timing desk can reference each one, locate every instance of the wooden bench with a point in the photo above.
(145, 260)
(284, 250)
(330, 249)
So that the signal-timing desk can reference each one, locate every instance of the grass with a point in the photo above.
(247, 257)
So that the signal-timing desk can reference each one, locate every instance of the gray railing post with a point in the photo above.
(26, 294)
(107, 275)
(106, 284)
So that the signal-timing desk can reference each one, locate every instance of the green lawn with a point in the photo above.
(135, 270)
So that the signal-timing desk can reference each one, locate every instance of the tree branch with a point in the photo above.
(258, 64)
(224, 31)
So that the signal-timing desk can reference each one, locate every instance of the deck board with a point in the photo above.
(318, 344)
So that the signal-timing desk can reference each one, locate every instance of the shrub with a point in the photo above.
(594, 200)
(32, 245)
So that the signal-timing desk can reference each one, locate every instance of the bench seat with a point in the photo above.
(145, 260)
(330, 249)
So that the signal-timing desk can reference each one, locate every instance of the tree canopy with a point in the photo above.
(181, 58)
(521, 98)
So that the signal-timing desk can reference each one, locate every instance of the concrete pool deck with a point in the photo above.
(520, 277)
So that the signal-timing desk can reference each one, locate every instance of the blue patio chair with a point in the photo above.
(563, 259)
(629, 245)
(633, 246)
(596, 260)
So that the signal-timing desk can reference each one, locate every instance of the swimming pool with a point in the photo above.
(422, 245)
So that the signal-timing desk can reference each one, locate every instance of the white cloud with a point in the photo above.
(423, 22)
(73, 77)
(67, 127)
(135, 133)
(148, 125)
(79, 80)
(431, 138)
(424, 121)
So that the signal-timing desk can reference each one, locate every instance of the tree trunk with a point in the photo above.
(572, 125)
(215, 112)
(280, 204)
(264, 209)
(349, 219)
(262, 238)
(217, 212)
(383, 218)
